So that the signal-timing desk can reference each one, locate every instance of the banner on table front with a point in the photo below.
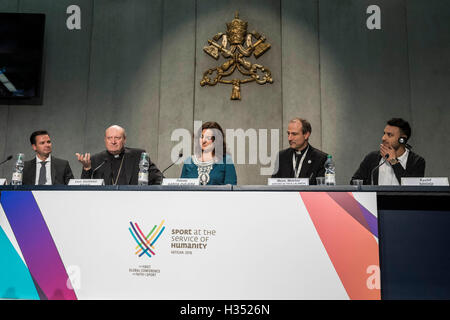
(188, 245)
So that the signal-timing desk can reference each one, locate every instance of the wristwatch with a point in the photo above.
(393, 161)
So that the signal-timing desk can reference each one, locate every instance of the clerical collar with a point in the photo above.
(301, 152)
(117, 156)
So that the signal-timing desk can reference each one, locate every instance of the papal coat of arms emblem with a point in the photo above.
(236, 45)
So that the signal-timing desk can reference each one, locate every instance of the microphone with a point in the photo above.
(310, 177)
(180, 155)
(373, 170)
(99, 166)
(6, 160)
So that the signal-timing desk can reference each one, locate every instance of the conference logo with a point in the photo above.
(145, 245)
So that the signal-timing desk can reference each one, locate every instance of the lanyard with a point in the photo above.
(297, 171)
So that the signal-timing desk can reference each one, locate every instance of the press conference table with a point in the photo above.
(413, 225)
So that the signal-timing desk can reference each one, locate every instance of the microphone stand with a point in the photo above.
(98, 167)
(180, 155)
(6, 160)
(373, 170)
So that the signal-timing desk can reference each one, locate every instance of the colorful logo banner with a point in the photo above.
(145, 244)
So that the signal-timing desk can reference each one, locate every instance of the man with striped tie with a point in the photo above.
(45, 169)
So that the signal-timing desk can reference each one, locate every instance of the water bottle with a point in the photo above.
(143, 169)
(18, 170)
(330, 170)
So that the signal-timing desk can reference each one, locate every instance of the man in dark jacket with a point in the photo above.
(117, 165)
(300, 160)
(45, 169)
(395, 156)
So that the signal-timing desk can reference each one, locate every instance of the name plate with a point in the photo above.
(86, 182)
(180, 182)
(288, 182)
(3, 182)
(441, 181)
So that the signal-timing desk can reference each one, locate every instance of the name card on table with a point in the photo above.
(86, 182)
(441, 181)
(180, 182)
(3, 182)
(288, 182)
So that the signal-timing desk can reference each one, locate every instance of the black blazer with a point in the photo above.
(415, 167)
(313, 165)
(132, 156)
(59, 170)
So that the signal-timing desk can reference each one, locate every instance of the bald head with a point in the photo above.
(115, 138)
(115, 128)
(306, 126)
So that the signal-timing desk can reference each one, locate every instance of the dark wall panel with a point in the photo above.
(177, 78)
(429, 64)
(124, 73)
(260, 107)
(364, 78)
(66, 62)
(5, 6)
(301, 66)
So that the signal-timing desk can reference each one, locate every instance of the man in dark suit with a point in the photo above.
(399, 160)
(117, 165)
(301, 160)
(45, 169)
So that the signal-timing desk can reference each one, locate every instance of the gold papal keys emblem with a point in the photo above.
(236, 45)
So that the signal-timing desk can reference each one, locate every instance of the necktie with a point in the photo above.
(42, 174)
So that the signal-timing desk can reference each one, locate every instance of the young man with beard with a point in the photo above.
(400, 160)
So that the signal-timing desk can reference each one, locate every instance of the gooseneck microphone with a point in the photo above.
(180, 155)
(373, 170)
(310, 177)
(6, 160)
(99, 166)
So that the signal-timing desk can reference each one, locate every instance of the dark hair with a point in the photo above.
(402, 125)
(214, 126)
(306, 126)
(35, 134)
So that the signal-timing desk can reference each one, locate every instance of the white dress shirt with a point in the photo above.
(47, 170)
(386, 174)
